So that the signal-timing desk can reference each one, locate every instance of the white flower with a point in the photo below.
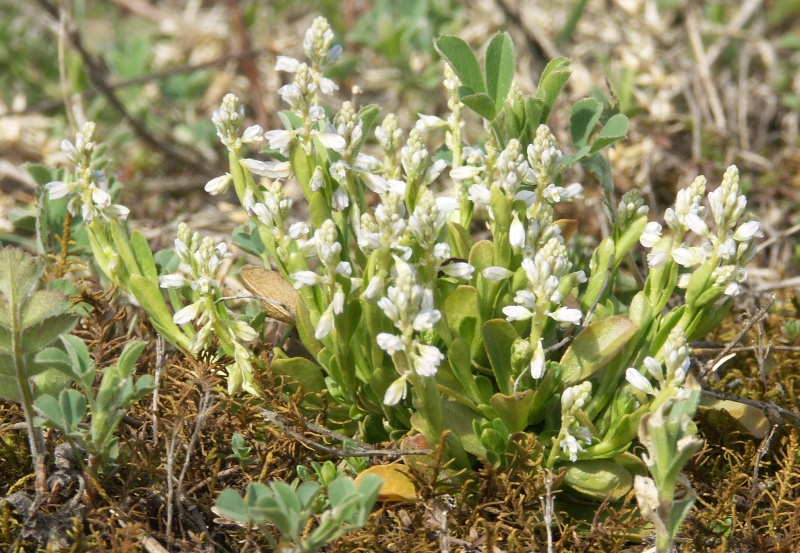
(657, 259)
(100, 197)
(243, 331)
(538, 362)
(287, 64)
(428, 360)
(332, 141)
(458, 270)
(570, 446)
(429, 122)
(172, 281)
(218, 185)
(396, 391)
(747, 231)
(687, 257)
(390, 343)
(639, 381)
(517, 313)
(496, 273)
(188, 313)
(252, 134)
(465, 172)
(651, 234)
(59, 189)
(566, 315)
(374, 287)
(696, 224)
(325, 324)
(425, 319)
(480, 194)
(279, 139)
(305, 278)
(516, 234)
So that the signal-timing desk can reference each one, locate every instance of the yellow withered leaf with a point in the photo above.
(278, 298)
(397, 482)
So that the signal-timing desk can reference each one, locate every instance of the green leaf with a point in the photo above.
(73, 407)
(231, 505)
(41, 335)
(307, 492)
(460, 364)
(481, 104)
(513, 409)
(499, 64)
(461, 58)
(144, 256)
(50, 410)
(340, 490)
(615, 129)
(129, 356)
(582, 120)
(43, 304)
(498, 337)
(600, 168)
(460, 305)
(148, 294)
(299, 371)
(552, 82)
(594, 348)
(19, 273)
(599, 479)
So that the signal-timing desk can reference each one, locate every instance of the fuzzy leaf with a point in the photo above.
(43, 304)
(231, 505)
(594, 348)
(499, 65)
(19, 273)
(41, 335)
(461, 58)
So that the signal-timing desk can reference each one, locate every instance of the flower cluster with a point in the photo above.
(410, 308)
(676, 360)
(202, 261)
(729, 247)
(89, 187)
(573, 400)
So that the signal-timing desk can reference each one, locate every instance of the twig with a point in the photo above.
(282, 423)
(547, 504)
(762, 450)
(247, 63)
(739, 20)
(744, 330)
(537, 40)
(144, 79)
(765, 405)
(97, 74)
(156, 384)
(703, 69)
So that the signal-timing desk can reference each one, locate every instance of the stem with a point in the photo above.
(35, 438)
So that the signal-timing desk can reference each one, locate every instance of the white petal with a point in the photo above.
(390, 343)
(465, 172)
(287, 64)
(187, 314)
(516, 313)
(325, 324)
(567, 315)
(58, 189)
(746, 231)
(496, 273)
(639, 381)
(218, 185)
(458, 270)
(395, 392)
(172, 281)
(332, 141)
